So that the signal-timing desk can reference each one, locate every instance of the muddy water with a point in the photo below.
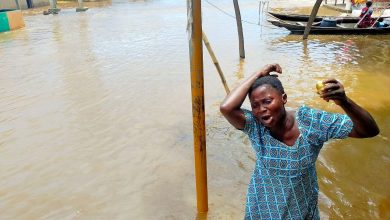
(96, 113)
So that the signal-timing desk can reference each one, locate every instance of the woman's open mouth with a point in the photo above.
(266, 119)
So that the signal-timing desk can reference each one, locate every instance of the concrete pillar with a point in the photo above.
(348, 5)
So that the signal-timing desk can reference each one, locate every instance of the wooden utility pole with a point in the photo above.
(198, 112)
(239, 29)
(311, 19)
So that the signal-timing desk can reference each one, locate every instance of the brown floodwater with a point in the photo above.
(96, 121)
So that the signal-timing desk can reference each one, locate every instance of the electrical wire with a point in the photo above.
(232, 16)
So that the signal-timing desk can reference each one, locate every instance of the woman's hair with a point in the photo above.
(267, 80)
(368, 3)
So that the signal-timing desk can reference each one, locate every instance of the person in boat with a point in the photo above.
(284, 181)
(365, 16)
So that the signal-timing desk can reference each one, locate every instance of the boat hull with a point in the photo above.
(296, 28)
(305, 18)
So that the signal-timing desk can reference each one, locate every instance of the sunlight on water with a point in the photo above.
(96, 116)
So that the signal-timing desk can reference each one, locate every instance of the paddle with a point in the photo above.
(378, 18)
(357, 24)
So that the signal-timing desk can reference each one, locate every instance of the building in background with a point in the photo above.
(349, 5)
(24, 4)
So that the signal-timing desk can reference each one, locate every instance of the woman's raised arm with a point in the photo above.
(364, 124)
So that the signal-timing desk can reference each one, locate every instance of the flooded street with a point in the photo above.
(96, 121)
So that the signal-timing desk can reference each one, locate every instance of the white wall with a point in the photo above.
(11, 4)
(39, 3)
(7, 4)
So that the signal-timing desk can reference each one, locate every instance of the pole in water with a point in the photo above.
(18, 5)
(263, 10)
(311, 18)
(239, 29)
(53, 8)
(81, 6)
(215, 61)
(194, 28)
(260, 13)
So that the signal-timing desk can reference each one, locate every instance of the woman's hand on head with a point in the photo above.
(333, 90)
(267, 69)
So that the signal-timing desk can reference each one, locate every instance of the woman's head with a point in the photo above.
(368, 3)
(267, 80)
(267, 100)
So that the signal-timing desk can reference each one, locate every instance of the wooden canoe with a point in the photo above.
(305, 18)
(340, 29)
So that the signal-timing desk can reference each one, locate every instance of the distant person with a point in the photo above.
(287, 143)
(365, 16)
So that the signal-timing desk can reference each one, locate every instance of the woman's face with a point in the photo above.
(268, 105)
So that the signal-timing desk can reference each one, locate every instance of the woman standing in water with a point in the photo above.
(284, 181)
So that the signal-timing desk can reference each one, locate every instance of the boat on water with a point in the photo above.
(305, 18)
(337, 28)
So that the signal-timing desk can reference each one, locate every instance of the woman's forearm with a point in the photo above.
(237, 96)
(364, 124)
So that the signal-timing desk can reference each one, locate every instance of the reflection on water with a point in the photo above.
(240, 70)
(96, 113)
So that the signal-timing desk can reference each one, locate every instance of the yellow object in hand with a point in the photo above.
(319, 86)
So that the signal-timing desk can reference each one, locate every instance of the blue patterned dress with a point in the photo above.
(284, 181)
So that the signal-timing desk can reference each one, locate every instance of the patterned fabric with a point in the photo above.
(284, 181)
